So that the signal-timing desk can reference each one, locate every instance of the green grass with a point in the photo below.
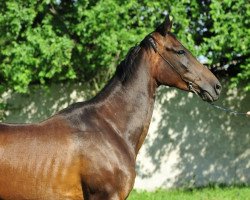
(230, 193)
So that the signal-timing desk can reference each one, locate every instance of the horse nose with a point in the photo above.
(217, 88)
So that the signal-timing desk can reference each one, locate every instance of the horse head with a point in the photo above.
(176, 66)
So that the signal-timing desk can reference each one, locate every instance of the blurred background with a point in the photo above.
(56, 52)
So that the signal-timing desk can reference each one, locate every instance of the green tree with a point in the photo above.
(82, 40)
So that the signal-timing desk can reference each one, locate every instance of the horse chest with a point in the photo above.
(111, 166)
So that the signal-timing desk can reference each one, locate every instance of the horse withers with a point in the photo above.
(88, 150)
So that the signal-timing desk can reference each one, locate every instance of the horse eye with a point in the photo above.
(181, 52)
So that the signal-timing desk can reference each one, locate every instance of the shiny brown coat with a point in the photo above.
(88, 150)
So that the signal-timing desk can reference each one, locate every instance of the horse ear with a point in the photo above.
(165, 27)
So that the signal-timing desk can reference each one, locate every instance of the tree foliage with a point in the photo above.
(51, 40)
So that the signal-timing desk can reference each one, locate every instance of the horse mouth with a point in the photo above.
(206, 96)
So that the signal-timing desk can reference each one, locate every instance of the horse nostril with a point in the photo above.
(218, 88)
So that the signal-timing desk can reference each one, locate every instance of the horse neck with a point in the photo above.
(127, 107)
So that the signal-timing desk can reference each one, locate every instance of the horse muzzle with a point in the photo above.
(210, 94)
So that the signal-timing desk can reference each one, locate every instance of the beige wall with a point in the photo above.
(189, 143)
(192, 144)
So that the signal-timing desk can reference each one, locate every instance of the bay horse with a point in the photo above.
(88, 150)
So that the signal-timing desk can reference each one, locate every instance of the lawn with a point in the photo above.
(230, 193)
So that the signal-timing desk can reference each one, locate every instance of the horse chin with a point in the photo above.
(206, 96)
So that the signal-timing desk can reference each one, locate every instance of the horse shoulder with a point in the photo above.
(105, 156)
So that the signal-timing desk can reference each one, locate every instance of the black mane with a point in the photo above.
(126, 68)
(123, 71)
